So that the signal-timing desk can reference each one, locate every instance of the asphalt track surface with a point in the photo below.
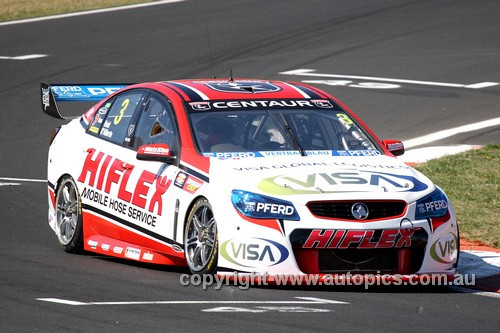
(440, 41)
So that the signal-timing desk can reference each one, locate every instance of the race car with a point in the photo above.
(239, 175)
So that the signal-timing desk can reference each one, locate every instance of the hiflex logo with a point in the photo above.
(445, 249)
(110, 176)
(253, 252)
(359, 239)
(343, 181)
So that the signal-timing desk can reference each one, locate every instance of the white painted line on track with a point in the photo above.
(321, 300)
(61, 301)
(260, 309)
(234, 309)
(481, 85)
(294, 309)
(89, 12)
(24, 57)
(424, 154)
(23, 180)
(305, 300)
(451, 132)
(311, 72)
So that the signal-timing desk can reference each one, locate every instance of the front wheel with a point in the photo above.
(69, 216)
(200, 239)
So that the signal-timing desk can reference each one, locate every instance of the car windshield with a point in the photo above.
(278, 130)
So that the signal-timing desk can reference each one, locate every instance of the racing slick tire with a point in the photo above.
(201, 242)
(69, 223)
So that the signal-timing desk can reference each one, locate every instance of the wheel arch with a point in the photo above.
(187, 212)
(60, 179)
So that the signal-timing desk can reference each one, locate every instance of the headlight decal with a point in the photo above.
(259, 206)
(432, 205)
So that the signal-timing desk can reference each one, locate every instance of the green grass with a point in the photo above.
(472, 182)
(21, 9)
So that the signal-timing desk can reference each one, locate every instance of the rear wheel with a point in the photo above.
(200, 239)
(69, 216)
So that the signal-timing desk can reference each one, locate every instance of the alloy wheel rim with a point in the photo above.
(201, 237)
(67, 213)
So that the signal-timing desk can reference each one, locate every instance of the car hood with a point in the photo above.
(301, 179)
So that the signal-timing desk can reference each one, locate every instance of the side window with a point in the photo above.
(156, 124)
(96, 123)
(116, 125)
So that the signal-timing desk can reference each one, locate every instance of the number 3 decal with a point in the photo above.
(124, 107)
(344, 118)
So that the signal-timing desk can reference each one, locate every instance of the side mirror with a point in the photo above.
(159, 152)
(396, 147)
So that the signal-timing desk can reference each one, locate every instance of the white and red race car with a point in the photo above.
(240, 176)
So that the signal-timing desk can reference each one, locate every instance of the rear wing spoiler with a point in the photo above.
(52, 93)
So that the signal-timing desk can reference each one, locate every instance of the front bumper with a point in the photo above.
(397, 246)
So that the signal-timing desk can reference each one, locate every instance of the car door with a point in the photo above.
(156, 124)
(134, 205)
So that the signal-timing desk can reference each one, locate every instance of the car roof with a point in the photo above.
(241, 89)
